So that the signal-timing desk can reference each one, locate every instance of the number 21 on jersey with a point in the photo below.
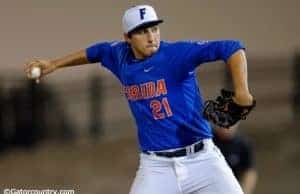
(161, 109)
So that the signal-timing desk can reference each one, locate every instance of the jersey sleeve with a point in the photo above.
(208, 51)
(194, 53)
(103, 52)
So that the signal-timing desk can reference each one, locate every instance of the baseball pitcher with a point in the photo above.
(177, 155)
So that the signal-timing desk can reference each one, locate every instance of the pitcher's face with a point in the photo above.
(144, 42)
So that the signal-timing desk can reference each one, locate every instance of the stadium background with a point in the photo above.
(74, 130)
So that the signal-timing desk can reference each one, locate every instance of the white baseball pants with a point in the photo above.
(204, 172)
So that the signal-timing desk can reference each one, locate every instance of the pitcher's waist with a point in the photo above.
(183, 151)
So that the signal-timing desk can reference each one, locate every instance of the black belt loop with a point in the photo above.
(180, 152)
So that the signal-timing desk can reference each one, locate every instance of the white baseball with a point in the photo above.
(35, 72)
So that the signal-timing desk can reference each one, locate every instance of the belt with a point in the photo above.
(178, 152)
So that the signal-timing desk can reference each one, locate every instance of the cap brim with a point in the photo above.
(146, 25)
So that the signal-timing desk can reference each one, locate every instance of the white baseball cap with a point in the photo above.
(138, 17)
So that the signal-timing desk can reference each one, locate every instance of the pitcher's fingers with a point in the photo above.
(27, 69)
(33, 64)
(29, 75)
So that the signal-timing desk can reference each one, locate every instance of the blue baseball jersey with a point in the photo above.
(162, 90)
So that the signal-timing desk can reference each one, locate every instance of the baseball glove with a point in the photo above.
(224, 112)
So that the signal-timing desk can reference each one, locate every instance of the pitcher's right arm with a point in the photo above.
(49, 66)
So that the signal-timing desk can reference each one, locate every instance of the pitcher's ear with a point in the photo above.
(127, 37)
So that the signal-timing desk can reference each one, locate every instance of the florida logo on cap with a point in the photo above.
(139, 16)
(142, 13)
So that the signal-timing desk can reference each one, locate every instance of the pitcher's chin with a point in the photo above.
(151, 50)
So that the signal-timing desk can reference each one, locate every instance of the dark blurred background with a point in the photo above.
(74, 130)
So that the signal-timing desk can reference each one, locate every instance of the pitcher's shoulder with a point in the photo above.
(175, 45)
